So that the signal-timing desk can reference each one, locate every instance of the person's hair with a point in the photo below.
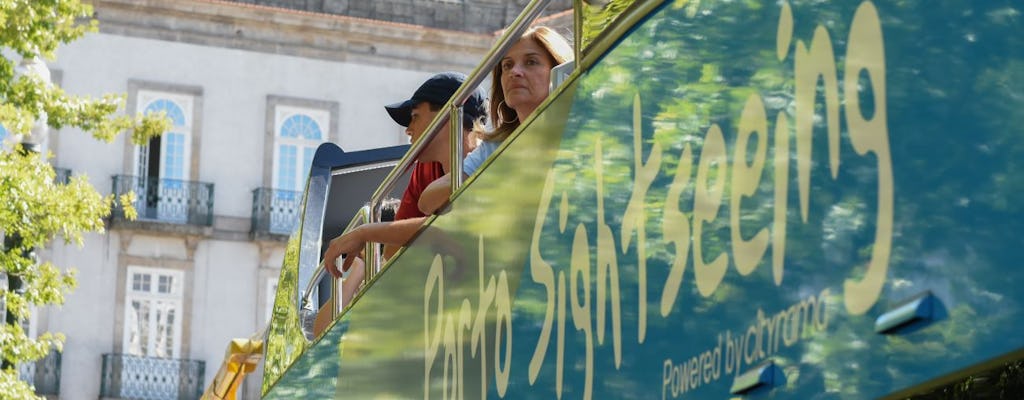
(504, 117)
(469, 124)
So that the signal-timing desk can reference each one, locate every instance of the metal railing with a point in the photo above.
(62, 177)
(167, 200)
(149, 378)
(372, 212)
(275, 211)
(454, 107)
(43, 374)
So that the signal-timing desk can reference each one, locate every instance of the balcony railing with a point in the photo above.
(150, 378)
(275, 211)
(63, 176)
(44, 374)
(167, 200)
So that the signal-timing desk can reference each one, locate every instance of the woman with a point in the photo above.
(519, 83)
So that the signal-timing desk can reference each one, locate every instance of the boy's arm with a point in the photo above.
(389, 233)
(435, 195)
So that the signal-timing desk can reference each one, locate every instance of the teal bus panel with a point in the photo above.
(796, 199)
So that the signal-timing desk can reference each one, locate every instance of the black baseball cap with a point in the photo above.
(438, 90)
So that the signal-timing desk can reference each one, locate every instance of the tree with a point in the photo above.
(34, 209)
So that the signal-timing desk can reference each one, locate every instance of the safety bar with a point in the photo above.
(372, 212)
(454, 105)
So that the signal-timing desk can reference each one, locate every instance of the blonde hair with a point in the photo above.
(504, 117)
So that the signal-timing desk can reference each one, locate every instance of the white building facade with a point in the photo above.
(251, 91)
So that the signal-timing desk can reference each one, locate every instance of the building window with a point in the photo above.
(166, 156)
(295, 128)
(298, 132)
(153, 299)
(163, 167)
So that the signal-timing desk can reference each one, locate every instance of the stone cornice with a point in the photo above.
(296, 33)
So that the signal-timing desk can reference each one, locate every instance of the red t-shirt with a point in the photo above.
(422, 175)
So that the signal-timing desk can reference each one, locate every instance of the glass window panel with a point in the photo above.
(152, 326)
(167, 332)
(301, 126)
(165, 284)
(138, 323)
(160, 337)
(132, 323)
(311, 130)
(286, 167)
(173, 111)
(288, 129)
(174, 157)
(298, 137)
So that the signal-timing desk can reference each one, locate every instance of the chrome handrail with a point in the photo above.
(455, 168)
(372, 212)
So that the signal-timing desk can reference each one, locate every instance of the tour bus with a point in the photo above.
(719, 199)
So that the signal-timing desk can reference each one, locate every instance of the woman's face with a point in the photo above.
(525, 75)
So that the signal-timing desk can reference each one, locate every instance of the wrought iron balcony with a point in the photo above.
(150, 378)
(63, 176)
(275, 212)
(167, 200)
(44, 374)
